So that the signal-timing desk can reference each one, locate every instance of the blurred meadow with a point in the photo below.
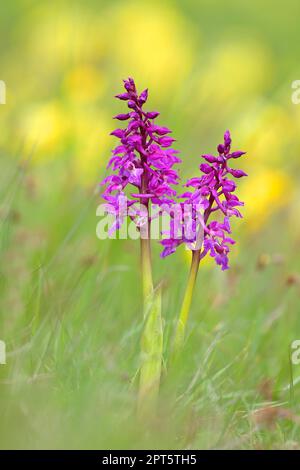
(70, 304)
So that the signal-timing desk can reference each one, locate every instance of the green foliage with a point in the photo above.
(70, 304)
(71, 317)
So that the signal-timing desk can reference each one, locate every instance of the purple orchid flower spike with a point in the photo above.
(143, 160)
(142, 166)
(213, 193)
(143, 175)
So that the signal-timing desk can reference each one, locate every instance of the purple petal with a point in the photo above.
(237, 173)
(237, 154)
(118, 133)
(206, 168)
(152, 114)
(210, 158)
(122, 117)
(143, 96)
(123, 96)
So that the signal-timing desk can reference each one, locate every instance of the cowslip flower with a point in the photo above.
(213, 193)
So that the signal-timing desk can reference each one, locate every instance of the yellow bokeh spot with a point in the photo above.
(92, 143)
(270, 136)
(265, 193)
(64, 35)
(234, 70)
(152, 44)
(43, 128)
(84, 83)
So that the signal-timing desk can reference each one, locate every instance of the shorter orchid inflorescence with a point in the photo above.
(213, 192)
(143, 177)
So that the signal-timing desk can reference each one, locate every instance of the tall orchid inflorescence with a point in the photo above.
(213, 192)
(143, 165)
(144, 159)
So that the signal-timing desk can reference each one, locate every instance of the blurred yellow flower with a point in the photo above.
(66, 34)
(84, 83)
(265, 193)
(269, 135)
(92, 142)
(44, 127)
(153, 44)
(234, 69)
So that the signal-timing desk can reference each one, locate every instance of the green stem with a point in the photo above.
(152, 338)
(146, 269)
(151, 349)
(186, 304)
(146, 247)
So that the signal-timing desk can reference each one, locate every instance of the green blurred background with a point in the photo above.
(70, 306)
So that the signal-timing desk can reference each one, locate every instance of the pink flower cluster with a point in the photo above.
(144, 161)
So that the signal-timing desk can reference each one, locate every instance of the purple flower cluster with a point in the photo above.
(143, 173)
(213, 192)
(144, 159)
